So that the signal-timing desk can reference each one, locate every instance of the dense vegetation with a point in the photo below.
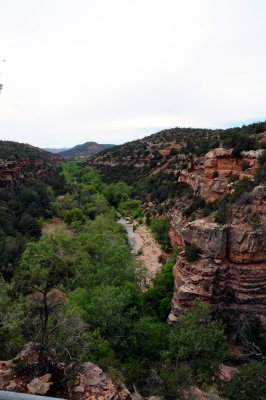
(18, 151)
(80, 289)
(78, 295)
(152, 165)
(22, 207)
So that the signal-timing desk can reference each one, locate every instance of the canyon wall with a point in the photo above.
(208, 176)
(230, 273)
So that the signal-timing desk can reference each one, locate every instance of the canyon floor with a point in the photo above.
(147, 249)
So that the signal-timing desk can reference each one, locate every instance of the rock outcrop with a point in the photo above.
(231, 271)
(91, 382)
(208, 176)
(210, 237)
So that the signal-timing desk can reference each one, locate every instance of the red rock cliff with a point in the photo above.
(231, 271)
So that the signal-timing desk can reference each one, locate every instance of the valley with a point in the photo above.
(139, 270)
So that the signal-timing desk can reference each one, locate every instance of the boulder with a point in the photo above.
(209, 237)
(40, 385)
(92, 382)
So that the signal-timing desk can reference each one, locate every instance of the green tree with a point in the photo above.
(199, 339)
(160, 227)
(249, 383)
(117, 192)
(29, 226)
(11, 313)
(192, 252)
(74, 215)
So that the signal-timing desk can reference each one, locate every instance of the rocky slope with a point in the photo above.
(91, 382)
(212, 186)
(231, 270)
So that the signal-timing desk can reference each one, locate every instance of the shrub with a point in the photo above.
(197, 203)
(244, 185)
(192, 252)
(198, 339)
(260, 176)
(160, 228)
(215, 174)
(233, 178)
(244, 165)
(249, 383)
(74, 215)
(262, 158)
(29, 226)
(222, 211)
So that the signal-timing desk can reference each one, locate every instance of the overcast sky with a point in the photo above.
(115, 70)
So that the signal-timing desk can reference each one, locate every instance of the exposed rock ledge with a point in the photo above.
(91, 381)
(231, 271)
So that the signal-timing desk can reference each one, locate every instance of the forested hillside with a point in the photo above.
(154, 165)
(30, 180)
(13, 151)
(85, 150)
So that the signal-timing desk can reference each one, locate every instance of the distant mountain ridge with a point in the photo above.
(52, 150)
(86, 150)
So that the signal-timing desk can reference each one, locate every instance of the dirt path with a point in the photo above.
(148, 249)
(52, 225)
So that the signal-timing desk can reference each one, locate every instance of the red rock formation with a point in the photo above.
(231, 271)
(91, 381)
(175, 239)
(208, 175)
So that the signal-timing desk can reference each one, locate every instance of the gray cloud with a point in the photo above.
(116, 70)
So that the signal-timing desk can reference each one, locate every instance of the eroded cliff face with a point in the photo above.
(208, 176)
(231, 271)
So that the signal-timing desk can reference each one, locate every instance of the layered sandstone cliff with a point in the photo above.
(231, 271)
(208, 176)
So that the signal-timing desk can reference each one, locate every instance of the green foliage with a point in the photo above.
(174, 377)
(239, 141)
(244, 165)
(148, 217)
(117, 192)
(222, 206)
(244, 185)
(260, 175)
(198, 338)
(18, 151)
(192, 252)
(20, 207)
(249, 383)
(74, 215)
(29, 226)
(157, 299)
(215, 174)
(262, 158)
(149, 338)
(11, 313)
(160, 228)
(132, 208)
(196, 204)
(41, 267)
